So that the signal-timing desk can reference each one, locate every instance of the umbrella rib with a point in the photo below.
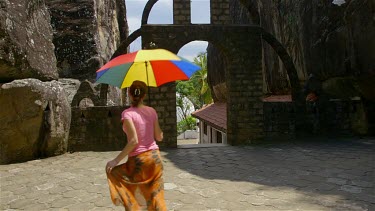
(148, 83)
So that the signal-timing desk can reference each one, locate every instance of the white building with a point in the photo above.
(212, 123)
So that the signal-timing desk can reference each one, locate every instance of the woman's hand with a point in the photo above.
(110, 165)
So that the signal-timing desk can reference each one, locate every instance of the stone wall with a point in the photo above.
(96, 129)
(338, 118)
(219, 12)
(181, 12)
(279, 120)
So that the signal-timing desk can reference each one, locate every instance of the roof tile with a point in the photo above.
(214, 114)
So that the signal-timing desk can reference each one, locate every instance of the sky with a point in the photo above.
(162, 13)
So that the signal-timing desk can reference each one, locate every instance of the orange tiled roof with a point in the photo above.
(214, 114)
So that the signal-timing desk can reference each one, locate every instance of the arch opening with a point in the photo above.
(85, 103)
(156, 12)
(195, 96)
(200, 12)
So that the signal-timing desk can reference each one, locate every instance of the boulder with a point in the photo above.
(70, 87)
(35, 118)
(26, 48)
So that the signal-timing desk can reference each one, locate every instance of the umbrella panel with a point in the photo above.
(122, 59)
(114, 76)
(155, 54)
(188, 68)
(167, 71)
(138, 72)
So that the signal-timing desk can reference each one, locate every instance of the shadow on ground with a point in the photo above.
(340, 167)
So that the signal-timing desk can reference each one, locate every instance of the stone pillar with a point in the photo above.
(163, 99)
(181, 12)
(220, 12)
(245, 89)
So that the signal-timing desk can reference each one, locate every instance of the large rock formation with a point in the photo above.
(35, 118)
(86, 34)
(323, 38)
(70, 87)
(326, 38)
(26, 49)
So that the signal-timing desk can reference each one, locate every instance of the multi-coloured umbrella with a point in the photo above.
(155, 67)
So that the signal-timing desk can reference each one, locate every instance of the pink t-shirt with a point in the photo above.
(143, 119)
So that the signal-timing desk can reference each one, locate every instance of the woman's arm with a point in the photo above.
(158, 134)
(132, 142)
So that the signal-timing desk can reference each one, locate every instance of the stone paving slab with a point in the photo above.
(322, 175)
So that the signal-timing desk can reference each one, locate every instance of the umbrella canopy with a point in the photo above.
(155, 67)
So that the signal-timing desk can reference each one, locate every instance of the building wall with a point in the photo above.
(211, 136)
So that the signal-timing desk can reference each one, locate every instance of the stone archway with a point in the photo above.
(244, 72)
(242, 45)
(87, 90)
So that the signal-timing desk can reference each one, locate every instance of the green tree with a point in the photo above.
(196, 90)
(186, 124)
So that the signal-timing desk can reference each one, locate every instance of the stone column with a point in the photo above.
(181, 12)
(245, 89)
(220, 12)
(163, 99)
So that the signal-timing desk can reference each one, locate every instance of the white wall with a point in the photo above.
(211, 136)
(189, 134)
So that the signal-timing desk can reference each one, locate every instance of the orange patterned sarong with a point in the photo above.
(143, 172)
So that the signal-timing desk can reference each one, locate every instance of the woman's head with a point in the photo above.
(137, 91)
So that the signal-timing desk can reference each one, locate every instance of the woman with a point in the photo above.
(144, 167)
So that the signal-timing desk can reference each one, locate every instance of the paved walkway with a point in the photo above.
(334, 175)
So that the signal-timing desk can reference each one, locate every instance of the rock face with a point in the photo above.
(26, 48)
(86, 33)
(323, 38)
(35, 118)
(70, 87)
(327, 38)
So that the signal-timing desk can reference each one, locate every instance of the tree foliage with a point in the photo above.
(188, 123)
(196, 90)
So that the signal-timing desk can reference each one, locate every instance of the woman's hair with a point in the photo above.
(137, 91)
